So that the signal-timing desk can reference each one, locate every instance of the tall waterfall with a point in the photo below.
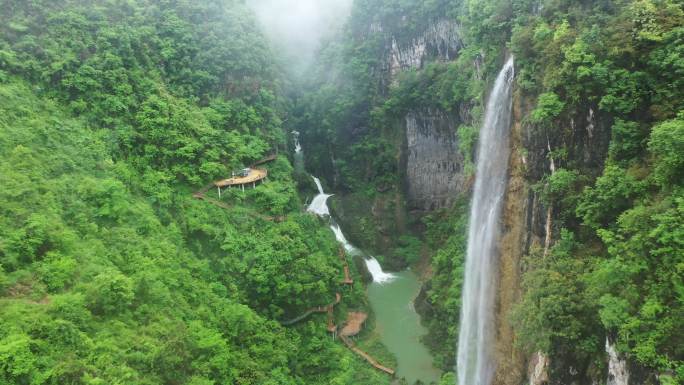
(475, 362)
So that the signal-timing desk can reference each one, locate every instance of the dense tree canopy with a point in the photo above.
(112, 114)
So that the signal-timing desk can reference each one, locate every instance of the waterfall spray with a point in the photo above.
(475, 361)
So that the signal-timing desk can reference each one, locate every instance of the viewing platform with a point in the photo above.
(248, 176)
(355, 321)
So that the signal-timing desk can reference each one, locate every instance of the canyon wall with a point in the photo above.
(429, 165)
(401, 142)
(434, 164)
(440, 41)
(528, 222)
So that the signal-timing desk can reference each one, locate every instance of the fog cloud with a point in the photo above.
(296, 27)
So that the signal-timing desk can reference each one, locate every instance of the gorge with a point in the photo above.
(474, 219)
(391, 298)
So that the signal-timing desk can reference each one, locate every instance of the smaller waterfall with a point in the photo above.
(319, 206)
(298, 146)
(341, 239)
(375, 270)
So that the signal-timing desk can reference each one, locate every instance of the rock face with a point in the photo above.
(441, 41)
(515, 239)
(434, 165)
(528, 222)
(537, 371)
(618, 373)
(429, 162)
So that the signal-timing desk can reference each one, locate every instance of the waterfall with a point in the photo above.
(298, 146)
(376, 272)
(341, 238)
(475, 361)
(319, 206)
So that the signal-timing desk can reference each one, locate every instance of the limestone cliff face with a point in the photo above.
(434, 164)
(511, 363)
(528, 222)
(429, 163)
(440, 41)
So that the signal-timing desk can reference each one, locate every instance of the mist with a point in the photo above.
(297, 27)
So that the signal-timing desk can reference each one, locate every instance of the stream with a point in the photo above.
(391, 297)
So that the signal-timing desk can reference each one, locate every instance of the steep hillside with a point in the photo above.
(111, 272)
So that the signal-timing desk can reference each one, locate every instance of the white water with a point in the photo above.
(298, 146)
(375, 270)
(341, 239)
(319, 206)
(475, 361)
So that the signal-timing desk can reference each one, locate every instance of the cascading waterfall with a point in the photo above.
(475, 361)
(391, 296)
(319, 206)
(376, 271)
(298, 146)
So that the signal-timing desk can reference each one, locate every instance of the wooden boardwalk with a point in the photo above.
(200, 194)
(366, 356)
(345, 266)
(355, 321)
(255, 175)
(226, 206)
(318, 309)
(267, 159)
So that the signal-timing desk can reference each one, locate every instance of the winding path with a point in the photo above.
(200, 195)
(318, 309)
(332, 328)
(329, 308)
(366, 356)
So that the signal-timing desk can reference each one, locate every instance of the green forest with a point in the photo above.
(114, 114)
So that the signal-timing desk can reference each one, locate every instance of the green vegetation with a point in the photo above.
(599, 94)
(112, 114)
(615, 271)
(447, 234)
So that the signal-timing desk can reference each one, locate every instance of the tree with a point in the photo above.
(110, 293)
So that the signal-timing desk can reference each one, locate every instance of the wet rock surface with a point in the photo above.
(434, 165)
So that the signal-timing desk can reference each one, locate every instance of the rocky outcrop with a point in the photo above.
(515, 239)
(434, 164)
(618, 373)
(529, 222)
(441, 41)
(538, 369)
